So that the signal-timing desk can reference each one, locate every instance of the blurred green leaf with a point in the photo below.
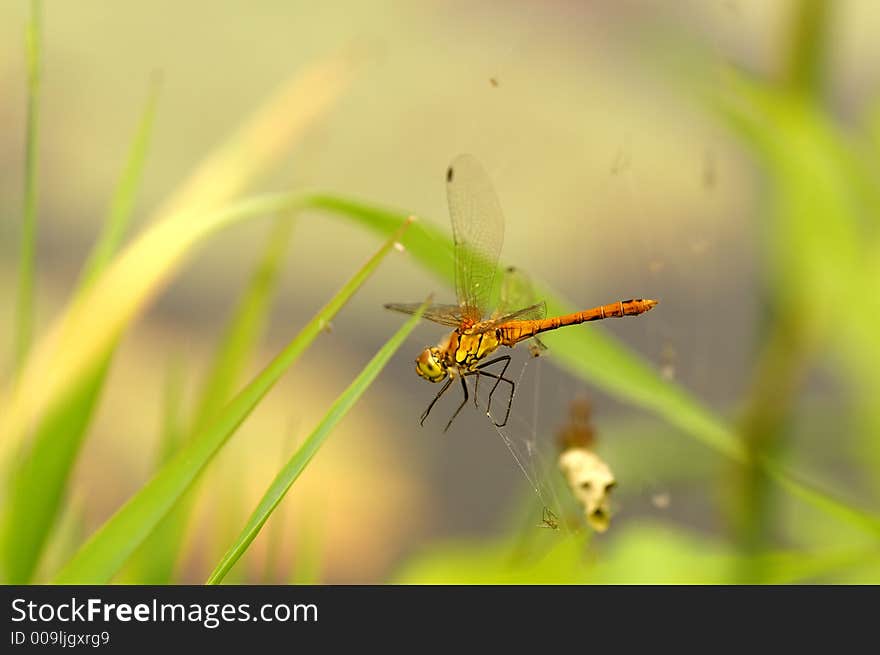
(810, 492)
(68, 533)
(245, 326)
(304, 454)
(40, 478)
(90, 327)
(490, 562)
(108, 549)
(818, 257)
(642, 553)
(656, 553)
(172, 427)
(38, 481)
(122, 206)
(273, 564)
(157, 557)
(24, 310)
(807, 51)
(84, 334)
(308, 564)
(816, 214)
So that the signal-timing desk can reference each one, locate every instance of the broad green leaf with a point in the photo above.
(108, 549)
(304, 454)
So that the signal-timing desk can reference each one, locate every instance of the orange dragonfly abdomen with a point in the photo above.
(513, 332)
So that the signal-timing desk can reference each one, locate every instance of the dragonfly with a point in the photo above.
(466, 352)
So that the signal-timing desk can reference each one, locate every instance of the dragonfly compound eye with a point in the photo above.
(428, 366)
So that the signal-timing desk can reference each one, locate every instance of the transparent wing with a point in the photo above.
(449, 315)
(516, 292)
(533, 313)
(516, 302)
(478, 231)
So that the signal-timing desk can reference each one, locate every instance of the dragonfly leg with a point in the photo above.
(491, 362)
(463, 403)
(509, 400)
(434, 402)
(476, 388)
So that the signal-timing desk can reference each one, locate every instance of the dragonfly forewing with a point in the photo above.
(478, 232)
(449, 315)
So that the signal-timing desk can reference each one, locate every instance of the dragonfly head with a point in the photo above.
(429, 365)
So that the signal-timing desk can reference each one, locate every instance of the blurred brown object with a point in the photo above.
(578, 432)
(588, 476)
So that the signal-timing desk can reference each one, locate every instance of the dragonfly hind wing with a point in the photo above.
(516, 292)
(532, 313)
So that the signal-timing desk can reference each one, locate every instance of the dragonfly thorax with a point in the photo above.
(430, 365)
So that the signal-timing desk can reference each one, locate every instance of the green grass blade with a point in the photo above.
(173, 429)
(245, 327)
(122, 205)
(24, 311)
(156, 559)
(108, 549)
(304, 454)
(272, 562)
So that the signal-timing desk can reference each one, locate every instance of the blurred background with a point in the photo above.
(617, 178)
